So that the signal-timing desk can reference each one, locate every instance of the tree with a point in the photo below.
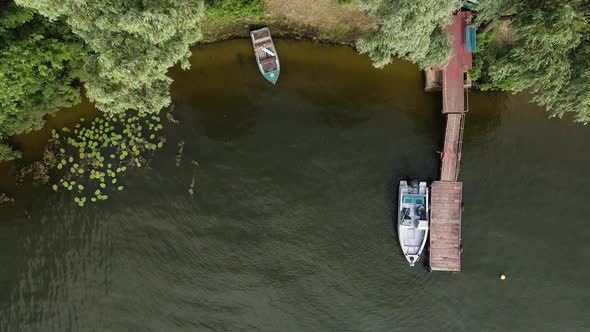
(549, 54)
(489, 11)
(134, 44)
(412, 30)
(39, 66)
(574, 97)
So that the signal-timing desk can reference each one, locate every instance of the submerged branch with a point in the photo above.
(5, 199)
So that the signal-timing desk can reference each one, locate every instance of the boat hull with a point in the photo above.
(267, 57)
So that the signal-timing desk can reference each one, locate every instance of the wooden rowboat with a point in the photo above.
(266, 54)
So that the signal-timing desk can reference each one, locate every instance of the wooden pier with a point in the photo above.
(446, 194)
(445, 226)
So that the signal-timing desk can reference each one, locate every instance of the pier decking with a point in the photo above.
(446, 198)
(451, 154)
(445, 229)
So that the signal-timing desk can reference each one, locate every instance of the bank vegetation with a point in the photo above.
(119, 52)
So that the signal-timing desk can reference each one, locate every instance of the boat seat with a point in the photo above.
(422, 224)
(262, 41)
(270, 59)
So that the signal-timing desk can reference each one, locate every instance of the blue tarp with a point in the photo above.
(470, 4)
(470, 44)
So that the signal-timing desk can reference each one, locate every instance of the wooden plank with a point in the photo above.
(440, 261)
(446, 218)
(451, 267)
(447, 187)
(450, 154)
(444, 245)
(447, 205)
(260, 43)
(446, 210)
(453, 101)
(446, 196)
(445, 226)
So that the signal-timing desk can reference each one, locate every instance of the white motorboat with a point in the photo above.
(413, 219)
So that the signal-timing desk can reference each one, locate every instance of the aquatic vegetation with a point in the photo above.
(191, 187)
(169, 116)
(179, 153)
(38, 171)
(7, 153)
(90, 159)
(5, 199)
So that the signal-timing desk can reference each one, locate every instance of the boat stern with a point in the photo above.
(412, 259)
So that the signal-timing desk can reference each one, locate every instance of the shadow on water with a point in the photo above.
(347, 89)
(32, 144)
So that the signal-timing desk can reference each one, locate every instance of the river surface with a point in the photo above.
(290, 226)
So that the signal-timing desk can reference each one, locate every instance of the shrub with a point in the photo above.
(234, 8)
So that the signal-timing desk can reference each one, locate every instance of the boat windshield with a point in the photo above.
(414, 208)
(414, 199)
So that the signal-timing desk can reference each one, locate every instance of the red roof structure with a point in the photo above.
(459, 63)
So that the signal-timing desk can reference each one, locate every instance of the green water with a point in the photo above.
(290, 227)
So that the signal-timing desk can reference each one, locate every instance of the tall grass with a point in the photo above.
(234, 8)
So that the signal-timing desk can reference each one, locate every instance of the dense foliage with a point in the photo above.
(488, 50)
(40, 63)
(234, 8)
(548, 54)
(134, 44)
(412, 30)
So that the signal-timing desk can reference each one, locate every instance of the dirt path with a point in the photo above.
(325, 20)
(328, 17)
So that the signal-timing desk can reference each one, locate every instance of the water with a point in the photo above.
(290, 227)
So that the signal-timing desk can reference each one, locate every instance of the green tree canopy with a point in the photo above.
(39, 66)
(134, 44)
(412, 30)
(549, 54)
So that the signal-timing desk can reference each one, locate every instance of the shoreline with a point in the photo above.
(241, 30)
(320, 20)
